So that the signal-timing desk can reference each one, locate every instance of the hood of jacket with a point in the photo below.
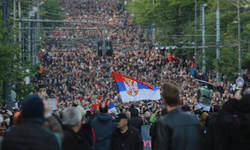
(134, 113)
(103, 117)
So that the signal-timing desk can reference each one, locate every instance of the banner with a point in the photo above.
(146, 137)
(52, 103)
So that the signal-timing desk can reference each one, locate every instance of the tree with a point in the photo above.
(12, 66)
(52, 10)
(173, 20)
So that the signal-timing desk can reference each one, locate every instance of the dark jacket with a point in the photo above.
(134, 120)
(86, 136)
(214, 132)
(30, 135)
(132, 141)
(103, 127)
(236, 129)
(71, 140)
(178, 131)
(152, 133)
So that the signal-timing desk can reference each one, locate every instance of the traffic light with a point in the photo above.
(99, 48)
(109, 49)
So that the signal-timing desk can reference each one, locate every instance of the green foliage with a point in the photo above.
(23, 90)
(52, 10)
(172, 19)
(12, 66)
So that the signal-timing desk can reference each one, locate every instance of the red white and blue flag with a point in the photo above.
(133, 90)
(96, 106)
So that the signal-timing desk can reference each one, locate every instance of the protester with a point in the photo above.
(155, 115)
(72, 124)
(153, 130)
(128, 114)
(125, 137)
(30, 128)
(103, 127)
(86, 132)
(184, 128)
(3, 128)
(42, 91)
(145, 121)
(214, 131)
(236, 127)
(135, 120)
(203, 119)
(79, 76)
(147, 116)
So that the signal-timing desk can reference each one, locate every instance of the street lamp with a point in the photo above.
(203, 37)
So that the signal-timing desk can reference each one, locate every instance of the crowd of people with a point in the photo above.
(78, 78)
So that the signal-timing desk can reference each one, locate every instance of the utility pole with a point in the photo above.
(20, 24)
(6, 83)
(218, 74)
(14, 13)
(38, 25)
(153, 36)
(203, 37)
(239, 48)
(237, 4)
(195, 51)
(27, 79)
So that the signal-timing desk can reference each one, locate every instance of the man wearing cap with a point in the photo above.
(125, 137)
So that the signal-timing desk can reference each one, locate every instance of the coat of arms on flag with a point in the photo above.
(131, 87)
(133, 90)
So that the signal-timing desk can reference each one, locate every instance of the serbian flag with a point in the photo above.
(133, 90)
(96, 106)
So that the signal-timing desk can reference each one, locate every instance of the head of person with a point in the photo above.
(147, 115)
(143, 117)
(81, 109)
(33, 108)
(42, 91)
(170, 95)
(216, 108)
(128, 114)
(186, 109)
(3, 127)
(121, 121)
(103, 108)
(72, 117)
(95, 113)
